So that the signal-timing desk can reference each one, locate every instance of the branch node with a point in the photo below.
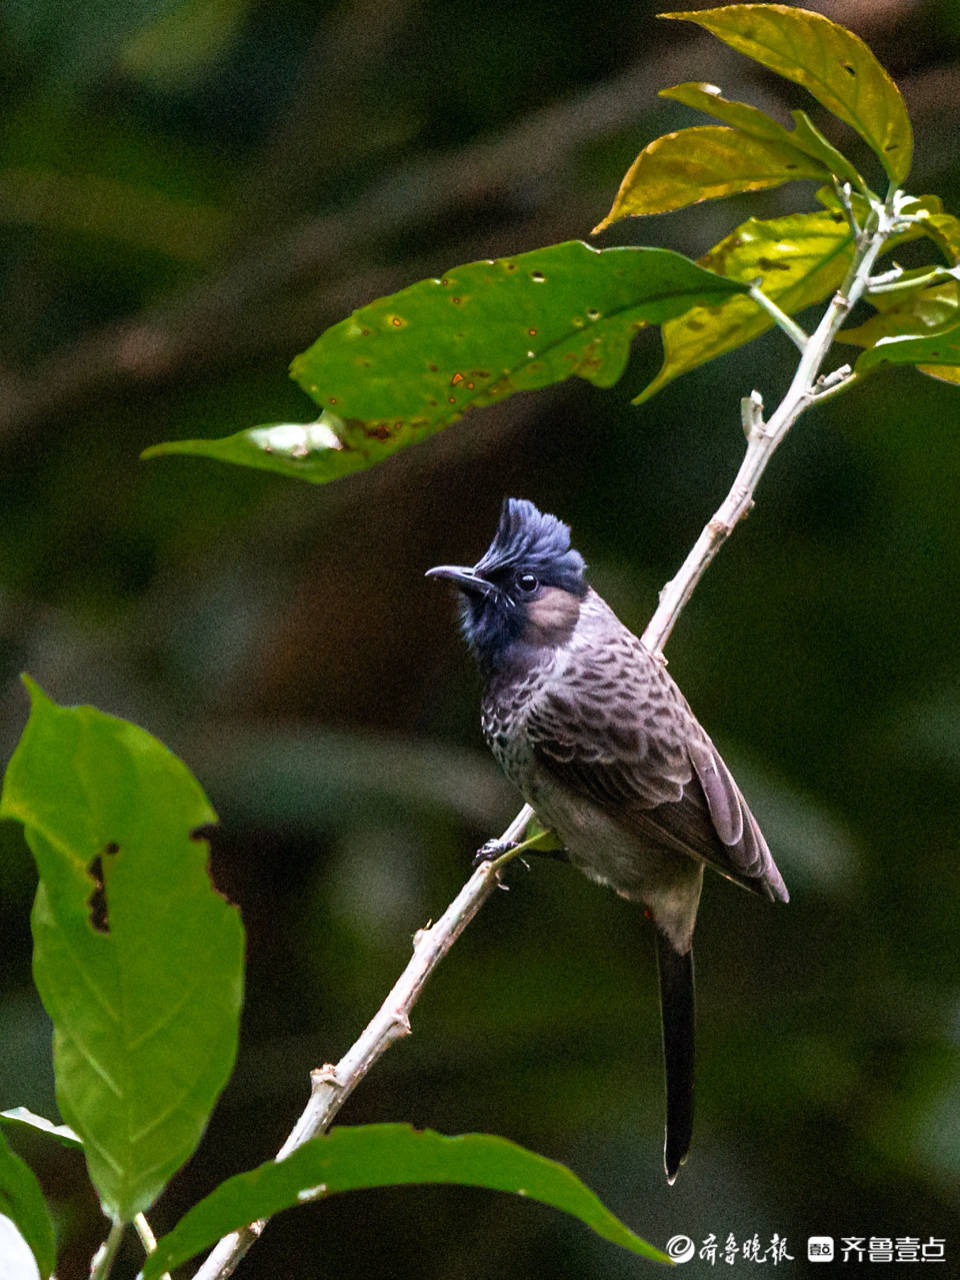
(400, 1024)
(827, 381)
(751, 414)
(841, 303)
(422, 934)
(327, 1074)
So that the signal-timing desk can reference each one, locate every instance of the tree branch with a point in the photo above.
(332, 1085)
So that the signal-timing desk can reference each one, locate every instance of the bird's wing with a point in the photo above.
(614, 727)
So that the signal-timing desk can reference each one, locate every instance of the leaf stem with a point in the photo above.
(786, 323)
(893, 282)
(105, 1256)
(147, 1239)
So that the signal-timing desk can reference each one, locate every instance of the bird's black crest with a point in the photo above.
(539, 543)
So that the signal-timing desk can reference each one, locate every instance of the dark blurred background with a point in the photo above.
(190, 192)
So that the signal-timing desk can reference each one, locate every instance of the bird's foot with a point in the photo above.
(492, 850)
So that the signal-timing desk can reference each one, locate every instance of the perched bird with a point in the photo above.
(589, 726)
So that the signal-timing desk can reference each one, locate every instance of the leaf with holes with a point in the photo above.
(799, 260)
(386, 1155)
(704, 163)
(407, 365)
(138, 960)
(804, 137)
(829, 61)
(21, 1200)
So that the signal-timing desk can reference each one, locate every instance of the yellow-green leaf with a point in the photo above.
(808, 138)
(704, 163)
(805, 136)
(942, 372)
(944, 230)
(799, 259)
(921, 313)
(829, 61)
(741, 115)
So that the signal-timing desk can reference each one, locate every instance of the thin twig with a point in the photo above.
(332, 1085)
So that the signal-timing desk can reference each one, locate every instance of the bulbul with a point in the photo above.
(597, 737)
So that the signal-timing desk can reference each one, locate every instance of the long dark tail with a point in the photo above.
(676, 1010)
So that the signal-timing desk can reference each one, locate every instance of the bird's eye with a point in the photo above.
(527, 582)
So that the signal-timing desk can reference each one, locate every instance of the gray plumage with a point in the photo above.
(597, 737)
(600, 741)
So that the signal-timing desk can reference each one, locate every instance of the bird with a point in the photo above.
(589, 726)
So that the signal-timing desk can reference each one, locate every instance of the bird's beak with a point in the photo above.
(463, 578)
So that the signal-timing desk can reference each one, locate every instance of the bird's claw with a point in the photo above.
(492, 850)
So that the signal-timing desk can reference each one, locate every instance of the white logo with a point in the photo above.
(681, 1248)
(820, 1248)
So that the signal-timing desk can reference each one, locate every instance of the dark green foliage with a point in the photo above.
(235, 612)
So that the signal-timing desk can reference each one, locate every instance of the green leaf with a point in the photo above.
(403, 367)
(21, 1200)
(317, 451)
(540, 838)
(137, 959)
(705, 163)
(920, 313)
(805, 137)
(826, 59)
(385, 1155)
(22, 1118)
(808, 138)
(799, 259)
(935, 349)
